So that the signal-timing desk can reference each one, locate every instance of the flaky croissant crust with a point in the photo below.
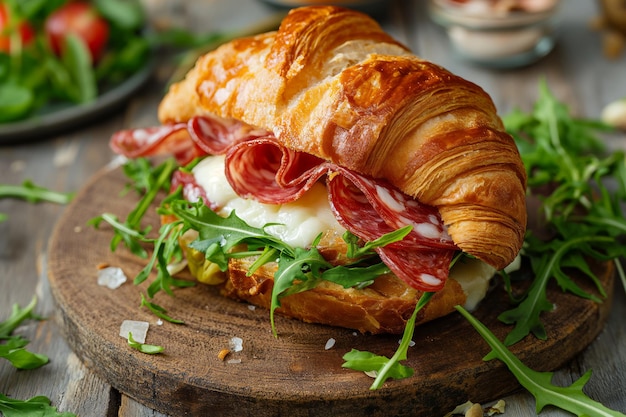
(331, 83)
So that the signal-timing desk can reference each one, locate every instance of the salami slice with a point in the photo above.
(269, 172)
(201, 135)
(191, 190)
(371, 208)
(171, 139)
(216, 135)
(425, 270)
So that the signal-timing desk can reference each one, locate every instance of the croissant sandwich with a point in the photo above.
(329, 135)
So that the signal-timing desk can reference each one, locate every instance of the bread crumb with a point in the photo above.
(460, 409)
(474, 411)
(497, 408)
(223, 353)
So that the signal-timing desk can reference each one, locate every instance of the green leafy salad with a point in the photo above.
(581, 219)
(56, 52)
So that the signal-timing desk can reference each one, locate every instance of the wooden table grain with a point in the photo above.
(576, 71)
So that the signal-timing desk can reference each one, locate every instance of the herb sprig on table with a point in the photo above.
(539, 384)
(13, 347)
(38, 406)
(32, 193)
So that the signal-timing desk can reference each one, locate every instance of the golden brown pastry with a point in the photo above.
(331, 83)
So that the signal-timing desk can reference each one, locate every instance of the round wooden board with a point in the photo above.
(292, 375)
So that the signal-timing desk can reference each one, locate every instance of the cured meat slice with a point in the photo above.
(269, 172)
(201, 135)
(371, 208)
(192, 191)
(172, 139)
(425, 270)
(394, 208)
(216, 135)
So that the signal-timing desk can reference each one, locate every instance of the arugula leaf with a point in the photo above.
(526, 316)
(354, 276)
(77, 60)
(356, 251)
(364, 361)
(14, 351)
(388, 368)
(33, 193)
(539, 384)
(14, 347)
(231, 230)
(38, 406)
(304, 268)
(166, 250)
(142, 347)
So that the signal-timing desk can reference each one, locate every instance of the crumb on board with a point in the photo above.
(223, 353)
(470, 409)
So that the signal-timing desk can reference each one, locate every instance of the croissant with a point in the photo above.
(332, 84)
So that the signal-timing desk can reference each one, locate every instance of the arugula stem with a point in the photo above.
(123, 228)
(134, 218)
(18, 315)
(608, 222)
(555, 140)
(401, 353)
(33, 193)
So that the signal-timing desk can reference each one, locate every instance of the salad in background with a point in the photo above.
(59, 52)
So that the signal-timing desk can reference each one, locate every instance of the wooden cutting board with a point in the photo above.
(294, 374)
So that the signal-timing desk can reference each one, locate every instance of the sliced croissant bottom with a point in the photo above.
(383, 307)
(331, 83)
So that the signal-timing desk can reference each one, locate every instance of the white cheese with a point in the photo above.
(300, 221)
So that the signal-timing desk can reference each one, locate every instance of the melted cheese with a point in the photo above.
(303, 220)
(300, 222)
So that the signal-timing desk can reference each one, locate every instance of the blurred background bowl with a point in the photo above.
(498, 33)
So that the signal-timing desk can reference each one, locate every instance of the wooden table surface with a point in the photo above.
(576, 71)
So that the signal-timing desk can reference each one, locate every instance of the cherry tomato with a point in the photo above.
(27, 33)
(81, 19)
